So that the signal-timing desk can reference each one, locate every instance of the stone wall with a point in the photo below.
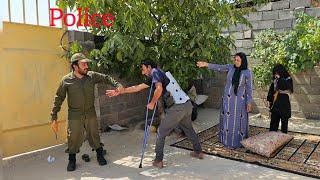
(274, 15)
(280, 17)
(213, 87)
(305, 101)
(123, 110)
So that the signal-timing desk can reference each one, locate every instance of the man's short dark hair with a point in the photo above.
(74, 63)
(149, 63)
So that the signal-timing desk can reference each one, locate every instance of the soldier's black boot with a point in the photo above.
(101, 160)
(72, 162)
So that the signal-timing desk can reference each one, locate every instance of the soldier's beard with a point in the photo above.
(83, 71)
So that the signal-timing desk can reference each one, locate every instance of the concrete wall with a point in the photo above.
(306, 97)
(31, 68)
(213, 87)
(278, 16)
(274, 15)
(123, 110)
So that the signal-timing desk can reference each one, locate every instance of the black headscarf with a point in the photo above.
(283, 73)
(237, 72)
(281, 70)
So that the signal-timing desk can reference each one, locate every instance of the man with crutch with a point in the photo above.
(178, 109)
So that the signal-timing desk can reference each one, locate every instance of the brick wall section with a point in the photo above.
(123, 110)
(79, 36)
(213, 87)
(305, 101)
(274, 15)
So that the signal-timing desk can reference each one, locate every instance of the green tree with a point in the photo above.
(174, 33)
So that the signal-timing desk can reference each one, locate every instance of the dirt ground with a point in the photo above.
(123, 155)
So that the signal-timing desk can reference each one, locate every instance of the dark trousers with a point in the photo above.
(176, 115)
(274, 124)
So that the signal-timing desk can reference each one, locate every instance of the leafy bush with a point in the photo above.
(297, 49)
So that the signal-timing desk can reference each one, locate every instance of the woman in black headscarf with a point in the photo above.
(278, 97)
(236, 100)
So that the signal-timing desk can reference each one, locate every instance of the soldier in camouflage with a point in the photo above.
(78, 85)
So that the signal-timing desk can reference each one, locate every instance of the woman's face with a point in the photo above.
(237, 61)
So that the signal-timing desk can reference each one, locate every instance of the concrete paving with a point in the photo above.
(123, 155)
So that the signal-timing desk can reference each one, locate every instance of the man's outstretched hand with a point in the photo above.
(112, 93)
(202, 64)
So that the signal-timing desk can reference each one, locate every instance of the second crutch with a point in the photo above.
(147, 126)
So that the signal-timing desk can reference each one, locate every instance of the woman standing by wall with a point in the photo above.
(236, 100)
(278, 98)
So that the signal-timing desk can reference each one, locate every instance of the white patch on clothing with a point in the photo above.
(175, 90)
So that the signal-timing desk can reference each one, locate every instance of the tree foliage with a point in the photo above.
(173, 33)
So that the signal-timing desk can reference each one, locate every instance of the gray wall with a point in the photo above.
(305, 101)
(123, 110)
(274, 15)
